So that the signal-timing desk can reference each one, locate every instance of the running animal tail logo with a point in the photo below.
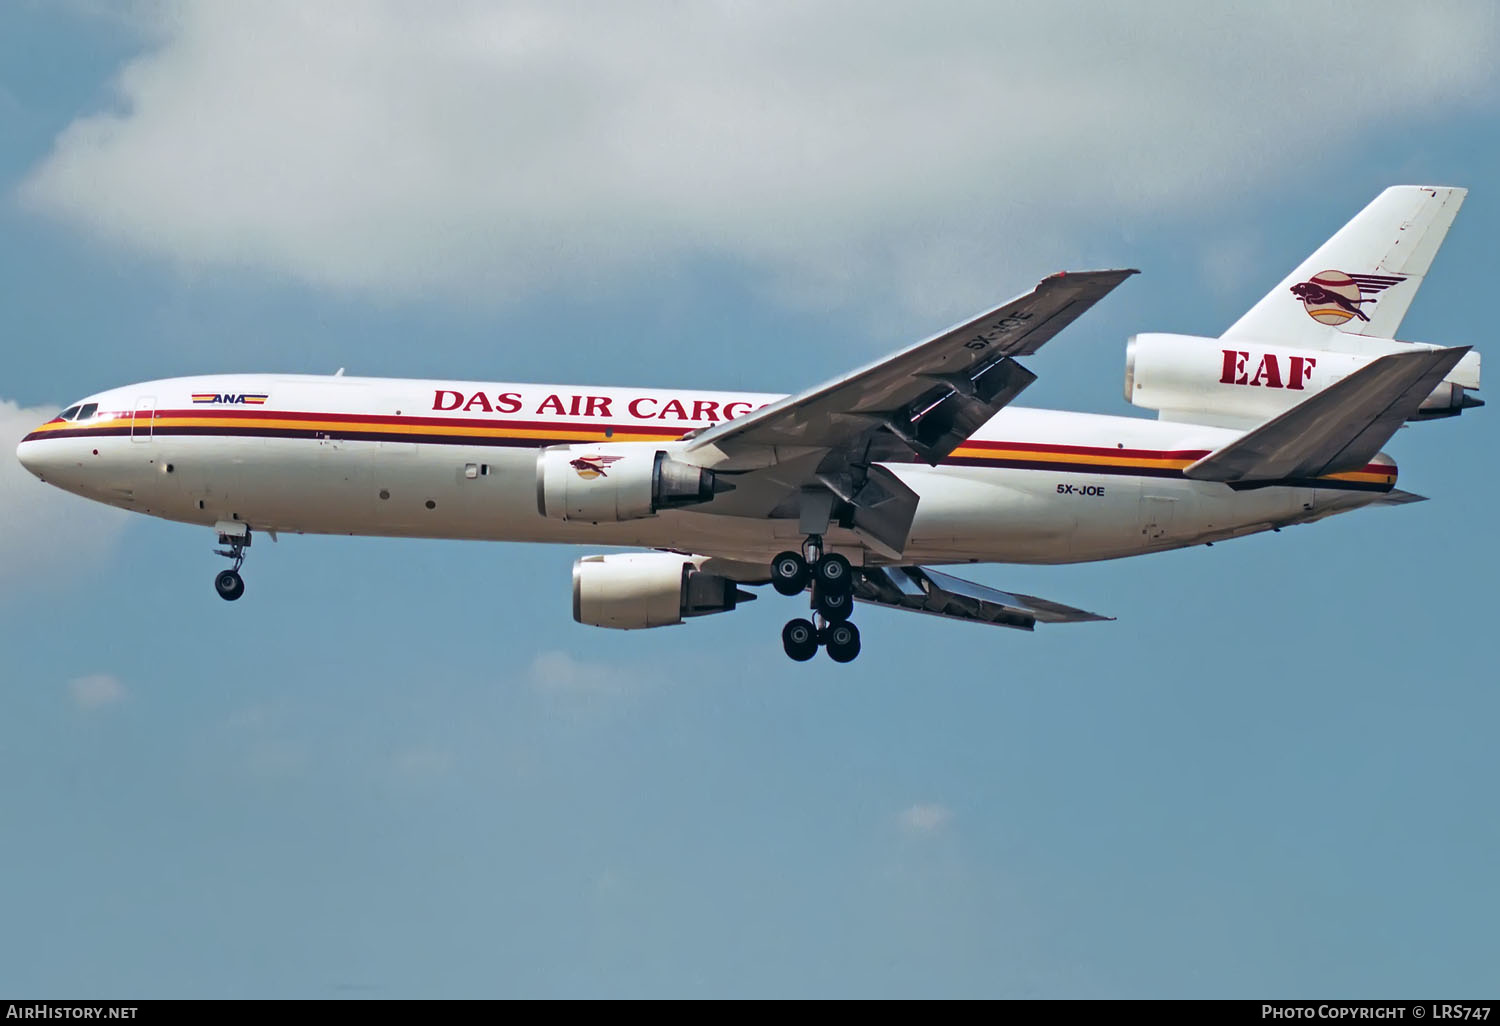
(1333, 297)
(590, 467)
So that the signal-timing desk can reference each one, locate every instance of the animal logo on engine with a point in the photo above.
(590, 467)
(1333, 297)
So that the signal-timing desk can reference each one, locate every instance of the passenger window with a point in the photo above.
(89, 409)
(68, 414)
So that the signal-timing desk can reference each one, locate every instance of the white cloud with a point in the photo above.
(277, 759)
(95, 691)
(422, 763)
(46, 535)
(559, 673)
(843, 149)
(925, 818)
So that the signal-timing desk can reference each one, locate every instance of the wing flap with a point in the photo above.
(1339, 429)
(920, 590)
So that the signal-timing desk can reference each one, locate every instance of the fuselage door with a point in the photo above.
(140, 423)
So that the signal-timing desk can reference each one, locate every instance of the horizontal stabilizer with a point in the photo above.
(1397, 497)
(921, 590)
(1339, 429)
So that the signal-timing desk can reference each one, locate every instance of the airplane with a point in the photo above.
(855, 490)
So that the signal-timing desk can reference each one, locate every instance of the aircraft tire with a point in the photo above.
(230, 585)
(800, 639)
(789, 573)
(834, 574)
(842, 642)
(836, 607)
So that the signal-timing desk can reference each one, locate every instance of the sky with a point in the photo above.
(397, 768)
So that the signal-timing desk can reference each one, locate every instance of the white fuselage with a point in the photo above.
(443, 459)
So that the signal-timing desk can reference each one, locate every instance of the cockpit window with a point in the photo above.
(69, 413)
(89, 409)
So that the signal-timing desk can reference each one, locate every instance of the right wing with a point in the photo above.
(928, 399)
(828, 443)
(1337, 430)
(921, 590)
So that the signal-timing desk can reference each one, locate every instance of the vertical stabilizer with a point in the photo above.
(1361, 281)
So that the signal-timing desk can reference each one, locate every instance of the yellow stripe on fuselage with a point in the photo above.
(1033, 456)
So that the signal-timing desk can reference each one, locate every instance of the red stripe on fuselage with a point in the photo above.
(121, 424)
(262, 413)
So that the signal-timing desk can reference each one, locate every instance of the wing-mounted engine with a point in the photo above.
(634, 590)
(607, 484)
(1236, 382)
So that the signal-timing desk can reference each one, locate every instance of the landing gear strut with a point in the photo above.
(832, 579)
(229, 584)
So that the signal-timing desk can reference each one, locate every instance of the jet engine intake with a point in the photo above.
(607, 484)
(635, 590)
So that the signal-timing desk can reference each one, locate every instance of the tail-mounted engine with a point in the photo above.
(634, 590)
(1233, 381)
(606, 484)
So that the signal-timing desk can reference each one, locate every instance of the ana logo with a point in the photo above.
(230, 397)
(590, 467)
(1333, 297)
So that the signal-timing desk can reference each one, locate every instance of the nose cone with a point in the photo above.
(38, 455)
(30, 458)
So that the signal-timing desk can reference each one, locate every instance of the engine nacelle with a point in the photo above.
(634, 590)
(606, 484)
(1186, 377)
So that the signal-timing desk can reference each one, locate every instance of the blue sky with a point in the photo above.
(399, 769)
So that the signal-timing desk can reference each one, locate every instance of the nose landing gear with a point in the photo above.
(833, 580)
(229, 584)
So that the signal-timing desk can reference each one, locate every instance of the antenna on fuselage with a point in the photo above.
(339, 373)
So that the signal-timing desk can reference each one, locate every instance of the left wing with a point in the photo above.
(929, 398)
(927, 591)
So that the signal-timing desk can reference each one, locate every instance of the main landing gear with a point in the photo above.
(229, 584)
(832, 580)
(801, 639)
